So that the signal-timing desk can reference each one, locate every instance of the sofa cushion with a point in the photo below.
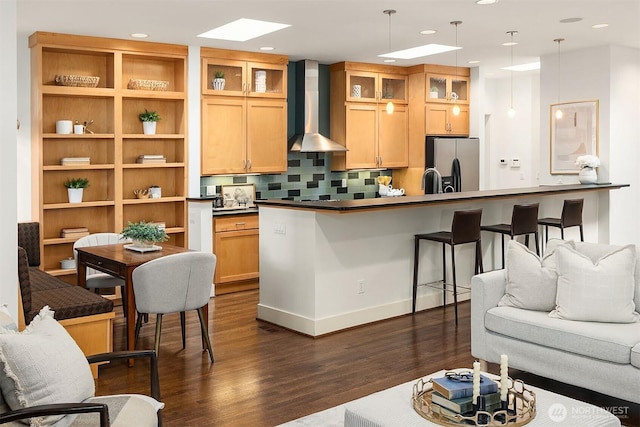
(531, 281)
(124, 410)
(596, 292)
(6, 321)
(43, 365)
(635, 355)
(604, 341)
(595, 251)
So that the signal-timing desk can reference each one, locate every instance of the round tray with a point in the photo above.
(519, 396)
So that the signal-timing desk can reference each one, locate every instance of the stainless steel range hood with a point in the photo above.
(311, 141)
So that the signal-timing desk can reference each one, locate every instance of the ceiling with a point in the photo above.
(355, 30)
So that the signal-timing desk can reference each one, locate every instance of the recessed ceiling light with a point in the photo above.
(139, 35)
(428, 32)
(420, 51)
(523, 67)
(486, 1)
(473, 61)
(266, 48)
(596, 26)
(570, 20)
(243, 29)
(389, 61)
(509, 43)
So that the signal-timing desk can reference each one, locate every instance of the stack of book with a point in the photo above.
(74, 161)
(76, 232)
(457, 396)
(151, 158)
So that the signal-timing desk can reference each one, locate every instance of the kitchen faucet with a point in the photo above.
(438, 178)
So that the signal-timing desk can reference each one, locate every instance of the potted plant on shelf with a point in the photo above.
(218, 81)
(144, 234)
(587, 164)
(149, 120)
(75, 187)
(433, 93)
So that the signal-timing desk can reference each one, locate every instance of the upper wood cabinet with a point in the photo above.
(265, 76)
(114, 139)
(363, 86)
(448, 88)
(375, 138)
(244, 124)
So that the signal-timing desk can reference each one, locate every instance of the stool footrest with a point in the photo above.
(448, 287)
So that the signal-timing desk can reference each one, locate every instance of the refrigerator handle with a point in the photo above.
(456, 175)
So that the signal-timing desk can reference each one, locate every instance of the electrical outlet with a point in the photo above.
(211, 190)
(344, 182)
(280, 228)
(515, 162)
(361, 286)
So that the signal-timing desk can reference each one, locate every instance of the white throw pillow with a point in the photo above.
(531, 281)
(43, 365)
(6, 321)
(596, 292)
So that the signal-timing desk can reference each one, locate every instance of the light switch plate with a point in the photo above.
(211, 190)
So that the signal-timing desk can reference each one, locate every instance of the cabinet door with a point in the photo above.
(223, 148)
(459, 125)
(362, 86)
(234, 77)
(394, 88)
(393, 139)
(266, 80)
(361, 136)
(237, 256)
(266, 136)
(436, 119)
(460, 86)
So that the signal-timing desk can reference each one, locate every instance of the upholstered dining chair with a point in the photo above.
(175, 284)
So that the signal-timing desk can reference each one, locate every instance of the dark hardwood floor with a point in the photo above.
(265, 375)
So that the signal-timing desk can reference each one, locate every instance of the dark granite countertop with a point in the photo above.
(345, 206)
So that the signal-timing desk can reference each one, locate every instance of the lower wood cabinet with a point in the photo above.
(235, 243)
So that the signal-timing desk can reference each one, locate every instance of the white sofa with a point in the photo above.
(604, 357)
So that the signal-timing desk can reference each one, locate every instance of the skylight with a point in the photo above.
(523, 67)
(420, 51)
(243, 29)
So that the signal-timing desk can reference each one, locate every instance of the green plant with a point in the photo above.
(145, 232)
(149, 116)
(76, 183)
(434, 89)
(219, 74)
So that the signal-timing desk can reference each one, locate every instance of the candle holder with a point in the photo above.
(519, 408)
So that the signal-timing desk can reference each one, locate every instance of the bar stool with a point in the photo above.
(571, 217)
(465, 228)
(524, 221)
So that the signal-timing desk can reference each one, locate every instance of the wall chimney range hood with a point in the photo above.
(311, 141)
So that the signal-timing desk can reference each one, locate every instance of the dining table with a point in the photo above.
(120, 260)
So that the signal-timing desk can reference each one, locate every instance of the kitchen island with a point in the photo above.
(331, 265)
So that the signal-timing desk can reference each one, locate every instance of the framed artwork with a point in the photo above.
(238, 195)
(574, 132)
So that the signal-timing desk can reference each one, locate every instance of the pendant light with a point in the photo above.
(456, 108)
(390, 107)
(559, 112)
(512, 112)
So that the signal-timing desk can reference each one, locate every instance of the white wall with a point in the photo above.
(24, 136)
(611, 75)
(8, 171)
(517, 137)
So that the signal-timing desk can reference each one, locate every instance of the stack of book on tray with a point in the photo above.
(457, 396)
(151, 158)
(76, 232)
(74, 161)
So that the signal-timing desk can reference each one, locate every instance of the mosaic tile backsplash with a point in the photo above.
(308, 177)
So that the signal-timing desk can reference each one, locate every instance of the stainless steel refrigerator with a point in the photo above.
(457, 160)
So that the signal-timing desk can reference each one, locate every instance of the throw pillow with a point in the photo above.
(43, 365)
(596, 292)
(531, 280)
(6, 321)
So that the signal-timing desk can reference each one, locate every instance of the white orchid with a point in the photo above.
(587, 161)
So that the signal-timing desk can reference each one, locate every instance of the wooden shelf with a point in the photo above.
(117, 142)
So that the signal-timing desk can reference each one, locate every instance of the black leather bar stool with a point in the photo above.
(571, 217)
(524, 221)
(465, 228)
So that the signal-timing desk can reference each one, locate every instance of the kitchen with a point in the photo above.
(533, 94)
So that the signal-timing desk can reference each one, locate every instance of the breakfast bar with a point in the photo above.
(331, 265)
